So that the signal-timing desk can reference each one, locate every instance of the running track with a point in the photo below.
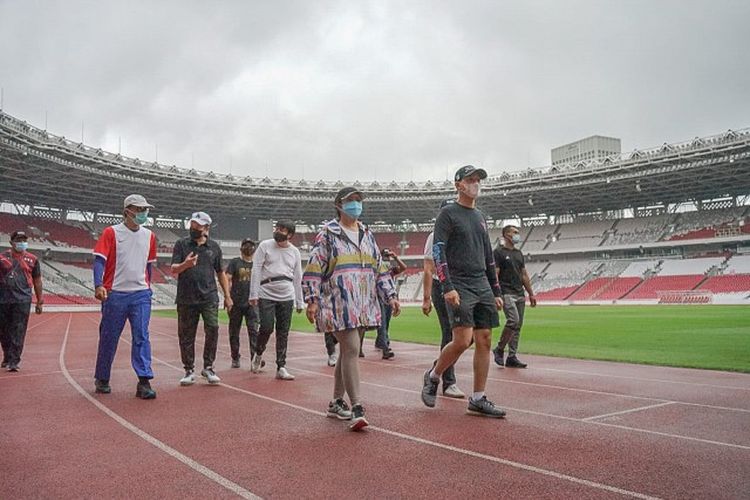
(575, 429)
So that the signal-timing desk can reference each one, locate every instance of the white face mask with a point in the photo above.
(472, 190)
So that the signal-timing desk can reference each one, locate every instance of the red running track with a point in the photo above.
(575, 429)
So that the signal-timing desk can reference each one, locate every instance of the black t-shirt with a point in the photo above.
(463, 249)
(510, 264)
(240, 271)
(197, 285)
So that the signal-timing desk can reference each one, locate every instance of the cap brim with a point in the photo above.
(350, 193)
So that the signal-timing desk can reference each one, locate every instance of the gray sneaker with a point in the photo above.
(484, 408)
(210, 375)
(339, 409)
(429, 389)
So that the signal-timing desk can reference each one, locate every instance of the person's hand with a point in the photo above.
(499, 303)
(100, 293)
(396, 306)
(253, 302)
(452, 299)
(426, 306)
(228, 304)
(532, 300)
(299, 310)
(191, 260)
(312, 311)
(39, 307)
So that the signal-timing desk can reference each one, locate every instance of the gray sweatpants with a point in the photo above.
(346, 375)
(513, 307)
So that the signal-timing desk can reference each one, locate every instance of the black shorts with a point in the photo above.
(477, 308)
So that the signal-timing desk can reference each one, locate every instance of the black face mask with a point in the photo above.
(279, 237)
(195, 234)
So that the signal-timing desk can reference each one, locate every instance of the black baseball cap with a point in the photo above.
(248, 241)
(346, 192)
(18, 235)
(467, 170)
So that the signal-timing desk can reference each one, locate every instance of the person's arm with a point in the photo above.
(316, 269)
(219, 270)
(258, 259)
(429, 269)
(229, 273)
(490, 269)
(386, 286)
(298, 296)
(527, 285)
(400, 266)
(36, 276)
(181, 262)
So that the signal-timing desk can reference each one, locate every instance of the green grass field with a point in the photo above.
(712, 337)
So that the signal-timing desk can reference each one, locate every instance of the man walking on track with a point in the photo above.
(466, 269)
(511, 272)
(19, 273)
(196, 260)
(433, 294)
(123, 259)
(238, 273)
(276, 288)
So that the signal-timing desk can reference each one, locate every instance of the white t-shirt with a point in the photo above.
(272, 261)
(353, 235)
(127, 253)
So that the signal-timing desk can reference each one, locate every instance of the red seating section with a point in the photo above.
(706, 232)
(618, 288)
(650, 288)
(727, 284)
(56, 232)
(556, 294)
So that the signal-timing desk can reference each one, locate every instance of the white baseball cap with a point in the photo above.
(136, 200)
(201, 218)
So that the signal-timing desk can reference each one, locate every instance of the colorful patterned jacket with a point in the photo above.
(345, 280)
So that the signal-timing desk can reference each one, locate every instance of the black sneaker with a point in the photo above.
(429, 389)
(3, 364)
(388, 354)
(358, 418)
(236, 363)
(498, 356)
(484, 408)
(13, 367)
(514, 362)
(144, 391)
(361, 354)
(102, 386)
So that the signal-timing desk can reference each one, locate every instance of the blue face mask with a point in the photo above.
(140, 218)
(21, 246)
(352, 208)
(516, 239)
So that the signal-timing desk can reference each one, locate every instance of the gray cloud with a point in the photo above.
(364, 90)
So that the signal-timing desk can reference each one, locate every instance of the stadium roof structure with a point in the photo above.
(41, 169)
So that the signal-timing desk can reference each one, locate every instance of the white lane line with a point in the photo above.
(210, 474)
(623, 412)
(585, 391)
(530, 412)
(415, 439)
(40, 374)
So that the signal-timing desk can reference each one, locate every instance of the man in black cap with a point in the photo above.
(19, 272)
(466, 269)
(239, 271)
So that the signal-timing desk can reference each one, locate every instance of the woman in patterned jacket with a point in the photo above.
(341, 282)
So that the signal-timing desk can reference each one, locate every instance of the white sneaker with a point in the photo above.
(283, 374)
(452, 391)
(257, 363)
(188, 379)
(208, 374)
(332, 359)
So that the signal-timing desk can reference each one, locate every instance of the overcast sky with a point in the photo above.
(373, 90)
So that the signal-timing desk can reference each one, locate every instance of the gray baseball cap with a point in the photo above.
(137, 200)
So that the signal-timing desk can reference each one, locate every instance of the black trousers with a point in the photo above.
(237, 315)
(438, 301)
(279, 313)
(14, 318)
(188, 316)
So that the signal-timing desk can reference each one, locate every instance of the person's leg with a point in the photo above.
(210, 314)
(339, 389)
(5, 310)
(482, 344)
(187, 326)
(361, 342)
(114, 314)
(348, 364)
(19, 323)
(266, 311)
(520, 303)
(381, 340)
(449, 375)
(139, 316)
(283, 324)
(511, 323)
(251, 320)
(236, 314)
(462, 336)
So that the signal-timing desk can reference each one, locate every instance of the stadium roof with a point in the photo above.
(41, 169)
